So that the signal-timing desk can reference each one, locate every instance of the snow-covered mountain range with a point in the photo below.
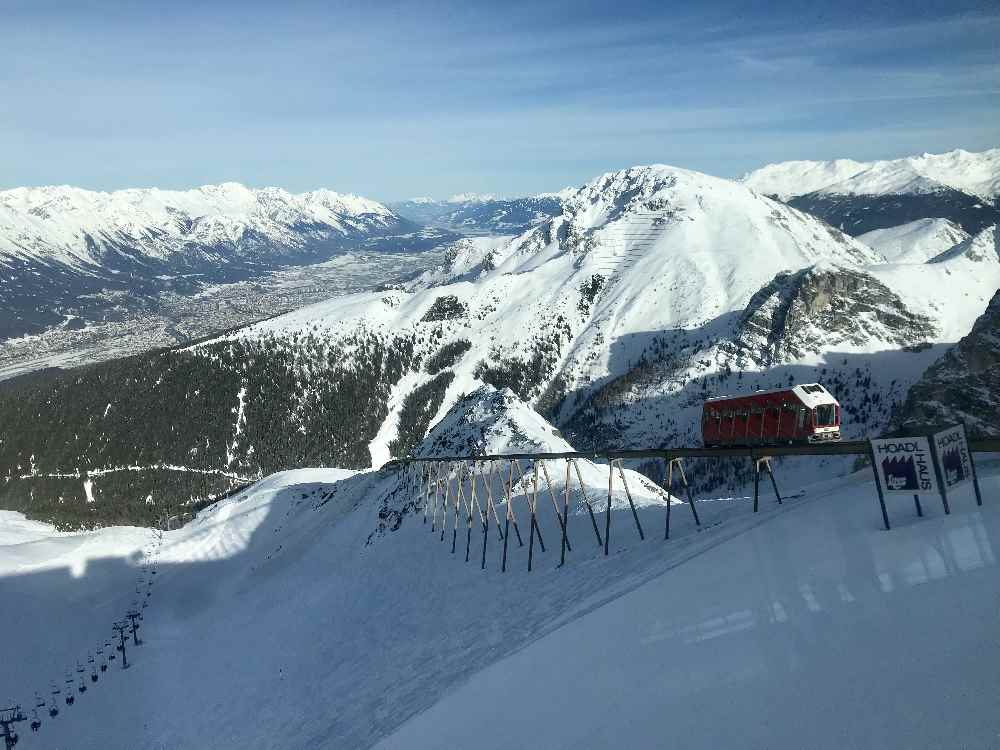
(652, 289)
(977, 174)
(655, 287)
(863, 196)
(61, 244)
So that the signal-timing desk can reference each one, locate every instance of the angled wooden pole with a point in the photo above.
(533, 503)
(972, 466)
(635, 515)
(522, 479)
(878, 486)
(756, 480)
(447, 495)
(555, 506)
(467, 506)
(565, 519)
(586, 501)
(492, 501)
(687, 491)
(770, 473)
(454, 524)
(607, 512)
(670, 487)
(425, 483)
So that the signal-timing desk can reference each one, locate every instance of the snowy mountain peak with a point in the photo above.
(977, 174)
(916, 241)
(983, 247)
(472, 198)
(491, 421)
(74, 226)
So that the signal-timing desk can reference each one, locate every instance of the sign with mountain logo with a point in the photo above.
(953, 456)
(905, 465)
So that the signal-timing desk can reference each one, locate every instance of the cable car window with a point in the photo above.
(802, 418)
(826, 416)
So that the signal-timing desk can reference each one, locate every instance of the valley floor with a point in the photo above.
(174, 319)
(274, 623)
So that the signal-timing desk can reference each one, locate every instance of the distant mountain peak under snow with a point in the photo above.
(976, 174)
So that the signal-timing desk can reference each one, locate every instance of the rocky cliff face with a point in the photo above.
(821, 308)
(962, 386)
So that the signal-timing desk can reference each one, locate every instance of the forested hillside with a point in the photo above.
(142, 439)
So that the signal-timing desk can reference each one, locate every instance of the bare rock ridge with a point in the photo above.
(963, 385)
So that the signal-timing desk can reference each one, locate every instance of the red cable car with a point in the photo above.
(801, 414)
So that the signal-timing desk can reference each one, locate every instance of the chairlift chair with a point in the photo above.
(36, 723)
(82, 687)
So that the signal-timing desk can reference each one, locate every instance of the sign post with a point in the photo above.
(904, 466)
(956, 465)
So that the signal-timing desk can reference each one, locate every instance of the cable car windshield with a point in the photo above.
(826, 416)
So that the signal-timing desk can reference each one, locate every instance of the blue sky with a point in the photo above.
(432, 98)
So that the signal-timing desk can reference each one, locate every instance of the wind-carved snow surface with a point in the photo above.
(974, 173)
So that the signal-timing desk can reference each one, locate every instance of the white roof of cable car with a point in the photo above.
(811, 400)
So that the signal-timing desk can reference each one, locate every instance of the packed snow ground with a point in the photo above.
(813, 629)
(274, 623)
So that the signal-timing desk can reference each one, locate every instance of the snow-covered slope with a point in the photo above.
(962, 386)
(975, 173)
(861, 197)
(915, 242)
(278, 619)
(813, 630)
(656, 287)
